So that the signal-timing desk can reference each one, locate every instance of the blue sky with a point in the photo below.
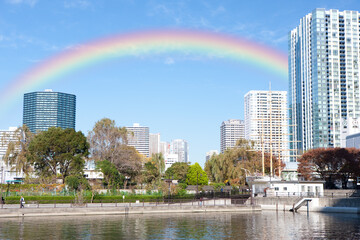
(178, 95)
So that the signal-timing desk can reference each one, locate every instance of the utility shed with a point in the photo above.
(265, 186)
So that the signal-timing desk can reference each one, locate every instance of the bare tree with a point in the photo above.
(109, 142)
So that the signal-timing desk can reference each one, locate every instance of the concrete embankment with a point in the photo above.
(83, 211)
(324, 204)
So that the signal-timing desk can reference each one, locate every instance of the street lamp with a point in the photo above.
(197, 182)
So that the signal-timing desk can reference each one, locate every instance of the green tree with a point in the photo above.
(15, 155)
(178, 171)
(159, 161)
(77, 183)
(60, 150)
(196, 175)
(112, 177)
(150, 173)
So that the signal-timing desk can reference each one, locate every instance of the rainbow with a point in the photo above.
(145, 42)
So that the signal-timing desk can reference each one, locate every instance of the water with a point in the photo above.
(265, 225)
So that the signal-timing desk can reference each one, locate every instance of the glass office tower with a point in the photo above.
(323, 77)
(49, 109)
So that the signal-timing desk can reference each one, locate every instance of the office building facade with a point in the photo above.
(154, 143)
(180, 147)
(230, 132)
(266, 121)
(138, 137)
(323, 77)
(49, 109)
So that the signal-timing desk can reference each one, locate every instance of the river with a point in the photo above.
(261, 225)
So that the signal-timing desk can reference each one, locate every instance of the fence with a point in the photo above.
(118, 203)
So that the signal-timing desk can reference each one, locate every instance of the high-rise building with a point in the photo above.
(138, 137)
(180, 147)
(230, 132)
(210, 153)
(323, 77)
(154, 143)
(7, 136)
(266, 121)
(165, 148)
(49, 109)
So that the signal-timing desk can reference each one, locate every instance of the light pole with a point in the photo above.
(197, 182)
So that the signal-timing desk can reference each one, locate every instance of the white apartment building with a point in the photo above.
(170, 159)
(266, 122)
(7, 136)
(210, 153)
(181, 148)
(154, 143)
(165, 148)
(231, 131)
(324, 77)
(138, 137)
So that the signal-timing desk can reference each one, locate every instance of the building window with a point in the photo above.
(276, 188)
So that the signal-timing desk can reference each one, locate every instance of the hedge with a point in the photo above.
(97, 199)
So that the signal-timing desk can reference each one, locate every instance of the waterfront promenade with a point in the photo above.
(33, 210)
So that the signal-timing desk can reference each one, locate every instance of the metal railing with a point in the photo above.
(308, 194)
(160, 202)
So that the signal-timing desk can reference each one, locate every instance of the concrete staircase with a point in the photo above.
(300, 203)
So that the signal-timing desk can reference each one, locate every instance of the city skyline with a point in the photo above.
(171, 92)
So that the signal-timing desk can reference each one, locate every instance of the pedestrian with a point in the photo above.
(22, 202)
(2, 200)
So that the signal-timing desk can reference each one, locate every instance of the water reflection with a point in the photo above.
(265, 225)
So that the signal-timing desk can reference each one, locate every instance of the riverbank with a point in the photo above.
(325, 204)
(122, 210)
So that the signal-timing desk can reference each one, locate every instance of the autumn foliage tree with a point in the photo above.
(109, 142)
(330, 164)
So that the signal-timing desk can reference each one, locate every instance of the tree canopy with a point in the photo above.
(330, 164)
(106, 139)
(233, 165)
(108, 142)
(15, 155)
(196, 175)
(112, 177)
(177, 171)
(58, 149)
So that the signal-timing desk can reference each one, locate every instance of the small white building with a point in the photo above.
(264, 186)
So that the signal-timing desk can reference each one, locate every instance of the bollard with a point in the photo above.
(214, 201)
(101, 203)
(54, 203)
(143, 203)
(332, 195)
(115, 203)
(37, 204)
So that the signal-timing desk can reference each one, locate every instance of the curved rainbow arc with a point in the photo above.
(147, 42)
